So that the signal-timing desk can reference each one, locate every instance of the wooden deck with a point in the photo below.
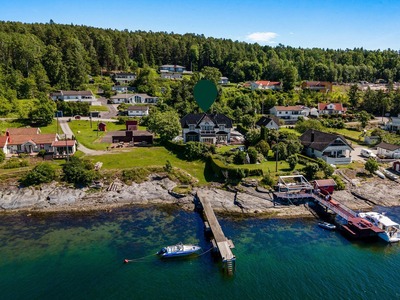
(224, 245)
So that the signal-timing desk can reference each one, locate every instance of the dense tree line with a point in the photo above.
(34, 57)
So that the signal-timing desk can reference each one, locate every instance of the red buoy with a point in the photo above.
(125, 261)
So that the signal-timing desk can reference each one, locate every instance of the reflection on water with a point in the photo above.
(81, 257)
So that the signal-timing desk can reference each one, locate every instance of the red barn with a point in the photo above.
(102, 126)
(326, 185)
(131, 125)
(396, 166)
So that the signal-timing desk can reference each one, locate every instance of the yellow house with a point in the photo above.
(318, 86)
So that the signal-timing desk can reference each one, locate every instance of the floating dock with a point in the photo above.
(220, 242)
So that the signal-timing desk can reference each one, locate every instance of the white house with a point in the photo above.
(223, 80)
(172, 68)
(133, 98)
(287, 113)
(167, 75)
(120, 88)
(332, 148)
(268, 122)
(388, 150)
(393, 124)
(74, 96)
(331, 108)
(210, 128)
(63, 148)
(138, 111)
(3, 144)
(123, 77)
(266, 85)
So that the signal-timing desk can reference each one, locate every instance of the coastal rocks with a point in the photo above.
(19, 198)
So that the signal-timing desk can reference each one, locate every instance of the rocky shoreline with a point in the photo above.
(242, 201)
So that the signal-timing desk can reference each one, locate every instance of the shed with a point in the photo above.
(326, 185)
(131, 125)
(77, 117)
(396, 166)
(102, 126)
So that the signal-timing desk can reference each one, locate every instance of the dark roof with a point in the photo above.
(321, 139)
(141, 133)
(264, 121)
(196, 119)
(138, 108)
(387, 146)
(124, 74)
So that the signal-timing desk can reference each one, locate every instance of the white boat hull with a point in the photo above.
(178, 250)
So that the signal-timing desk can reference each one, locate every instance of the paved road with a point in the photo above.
(356, 154)
(65, 128)
(113, 111)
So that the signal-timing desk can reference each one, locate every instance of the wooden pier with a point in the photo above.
(220, 241)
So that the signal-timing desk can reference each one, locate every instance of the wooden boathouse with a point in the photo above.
(220, 242)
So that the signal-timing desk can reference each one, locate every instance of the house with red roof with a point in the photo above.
(266, 85)
(317, 86)
(331, 108)
(3, 143)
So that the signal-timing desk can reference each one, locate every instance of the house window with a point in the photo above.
(312, 150)
(221, 127)
(191, 127)
(191, 138)
(286, 112)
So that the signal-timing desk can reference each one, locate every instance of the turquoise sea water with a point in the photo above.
(81, 257)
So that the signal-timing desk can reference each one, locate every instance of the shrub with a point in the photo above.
(15, 163)
(263, 147)
(42, 153)
(292, 160)
(371, 165)
(268, 180)
(168, 166)
(22, 155)
(41, 173)
(311, 170)
(339, 183)
(252, 154)
(2, 156)
(240, 158)
(195, 150)
(137, 175)
(79, 171)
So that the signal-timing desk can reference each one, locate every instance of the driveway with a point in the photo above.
(68, 132)
(113, 111)
(356, 154)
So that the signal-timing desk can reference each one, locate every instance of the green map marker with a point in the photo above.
(205, 92)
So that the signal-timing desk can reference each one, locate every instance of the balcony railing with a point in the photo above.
(337, 160)
(207, 131)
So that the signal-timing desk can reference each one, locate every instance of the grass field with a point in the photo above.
(89, 137)
(155, 156)
(18, 123)
(99, 108)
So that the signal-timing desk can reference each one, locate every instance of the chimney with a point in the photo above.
(312, 136)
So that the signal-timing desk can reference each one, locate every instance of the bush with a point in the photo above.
(195, 150)
(175, 146)
(253, 155)
(137, 175)
(220, 169)
(168, 166)
(310, 170)
(79, 171)
(240, 158)
(292, 160)
(268, 180)
(42, 153)
(2, 156)
(41, 173)
(339, 183)
(371, 165)
(15, 163)
(263, 147)
(22, 155)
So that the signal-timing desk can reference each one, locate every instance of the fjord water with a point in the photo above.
(81, 257)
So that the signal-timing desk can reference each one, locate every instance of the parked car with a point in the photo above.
(368, 153)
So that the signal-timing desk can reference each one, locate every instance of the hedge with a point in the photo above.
(175, 146)
(218, 167)
(241, 129)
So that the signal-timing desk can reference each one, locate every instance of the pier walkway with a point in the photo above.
(338, 208)
(221, 242)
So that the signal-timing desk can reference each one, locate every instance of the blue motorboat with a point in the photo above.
(178, 250)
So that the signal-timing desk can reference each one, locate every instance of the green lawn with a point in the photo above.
(99, 108)
(269, 166)
(155, 156)
(290, 130)
(18, 123)
(89, 137)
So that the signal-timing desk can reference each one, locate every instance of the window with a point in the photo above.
(221, 127)
(191, 127)
(286, 112)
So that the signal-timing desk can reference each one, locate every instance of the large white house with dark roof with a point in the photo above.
(206, 128)
(123, 77)
(332, 148)
(134, 99)
(74, 96)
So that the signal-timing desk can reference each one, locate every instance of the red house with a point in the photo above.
(396, 166)
(102, 126)
(131, 125)
(326, 185)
